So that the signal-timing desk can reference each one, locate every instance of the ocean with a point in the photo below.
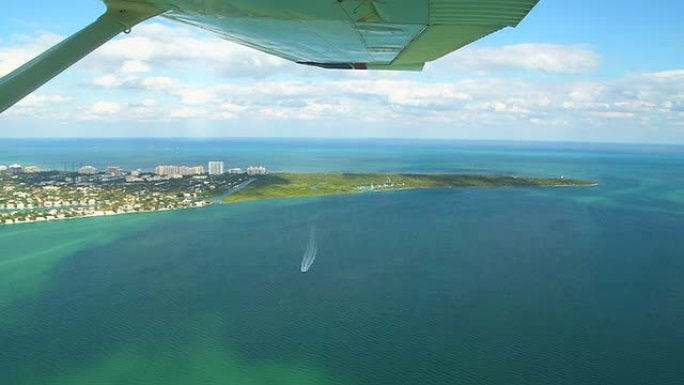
(500, 286)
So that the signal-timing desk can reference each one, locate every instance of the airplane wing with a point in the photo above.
(335, 34)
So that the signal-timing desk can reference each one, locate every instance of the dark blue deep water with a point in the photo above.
(571, 285)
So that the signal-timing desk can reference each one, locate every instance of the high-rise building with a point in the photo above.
(194, 170)
(215, 167)
(256, 170)
(171, 170)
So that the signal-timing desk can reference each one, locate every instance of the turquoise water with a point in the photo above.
(462, 286)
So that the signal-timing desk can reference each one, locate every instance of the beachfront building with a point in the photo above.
(215, 167)
(115, 171)
(235, 171)
(175, 171)
(31, 169)
(256, 170)
(87, 170)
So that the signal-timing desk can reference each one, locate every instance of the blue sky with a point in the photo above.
(580, 71)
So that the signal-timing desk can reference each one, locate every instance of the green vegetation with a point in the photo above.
(283, 185)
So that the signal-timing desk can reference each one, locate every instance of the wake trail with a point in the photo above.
(311, 251)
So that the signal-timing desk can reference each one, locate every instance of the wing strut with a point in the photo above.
(120, 16)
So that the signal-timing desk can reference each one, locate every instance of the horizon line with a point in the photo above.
(342, 138)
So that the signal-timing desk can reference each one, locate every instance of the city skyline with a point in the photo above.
(214, 167)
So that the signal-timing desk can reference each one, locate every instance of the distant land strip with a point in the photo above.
(53, 195)
(285, 185)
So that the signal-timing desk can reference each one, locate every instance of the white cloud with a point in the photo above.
(134, 66)
(553, 58)
(637, 100)
(158, 83)
(437, 94)
(674, 75)
(107, 81)
(149, 102)
(614, 114)
(41, 105)
(105, 108)
(161, 47)
(100, 110)
(20, 49)
(160, 73)
(194, 96)
(41, 100)
(186, 112)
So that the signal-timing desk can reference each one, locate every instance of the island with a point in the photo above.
(285, 185)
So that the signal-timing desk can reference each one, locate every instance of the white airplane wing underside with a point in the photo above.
(336, 34)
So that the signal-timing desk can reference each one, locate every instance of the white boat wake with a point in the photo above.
(311, 251)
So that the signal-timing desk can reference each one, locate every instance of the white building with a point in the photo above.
(235, 171)
(87, 170)
(31, 169)
(256, 170)
(196, 170)
(178, 170)
(115, 170)
(215, 167)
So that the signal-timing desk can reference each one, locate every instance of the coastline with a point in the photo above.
(286, 185)
(267, 198)
(45, 196)
(349, 187)
(103, 214)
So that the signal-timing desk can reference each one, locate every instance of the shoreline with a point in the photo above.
(401, 189)
(33, 221)
(220, 199)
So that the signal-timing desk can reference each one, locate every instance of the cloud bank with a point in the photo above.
(173, 74)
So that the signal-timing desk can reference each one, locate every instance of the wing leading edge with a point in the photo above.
(333, 34)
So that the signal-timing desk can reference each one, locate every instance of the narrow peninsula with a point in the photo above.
(29, 194)
(285, 185)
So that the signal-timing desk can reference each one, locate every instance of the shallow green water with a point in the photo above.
(467, 286)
